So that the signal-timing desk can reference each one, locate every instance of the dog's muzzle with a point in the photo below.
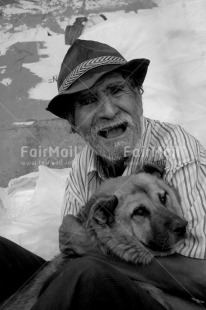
(179, 227)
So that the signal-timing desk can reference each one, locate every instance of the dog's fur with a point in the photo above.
(132, 218)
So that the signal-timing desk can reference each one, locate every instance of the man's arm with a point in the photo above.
(189, 179)
(75, 190)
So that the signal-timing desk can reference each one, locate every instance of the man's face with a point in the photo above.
(108, 116)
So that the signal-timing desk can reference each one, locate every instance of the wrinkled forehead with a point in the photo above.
(113, 78)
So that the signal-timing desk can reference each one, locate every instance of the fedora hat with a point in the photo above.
(83, 65)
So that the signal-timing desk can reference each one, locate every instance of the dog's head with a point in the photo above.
(139, 211)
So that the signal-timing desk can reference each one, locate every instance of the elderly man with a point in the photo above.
(100, 94)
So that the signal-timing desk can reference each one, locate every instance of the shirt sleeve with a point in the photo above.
(190, 181)
(75, 191)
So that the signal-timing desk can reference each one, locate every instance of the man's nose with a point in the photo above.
(107, 108)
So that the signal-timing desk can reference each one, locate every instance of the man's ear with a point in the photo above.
(153, 169)
(70, 118)
(103, 210)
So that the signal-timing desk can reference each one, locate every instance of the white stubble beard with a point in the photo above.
(114, 151)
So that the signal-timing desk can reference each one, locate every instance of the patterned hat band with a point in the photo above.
(89, 65)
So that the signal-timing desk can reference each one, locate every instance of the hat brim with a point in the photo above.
(60, 104)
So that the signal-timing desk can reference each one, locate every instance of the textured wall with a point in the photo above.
(48, 143)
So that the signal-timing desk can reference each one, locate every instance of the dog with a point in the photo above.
(135, 217)
(132, 218)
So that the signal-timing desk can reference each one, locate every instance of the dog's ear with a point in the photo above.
(154, 169)
(103, 210)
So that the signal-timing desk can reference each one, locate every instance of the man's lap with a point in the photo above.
(17, 265)
(81, 284)
(89, 282)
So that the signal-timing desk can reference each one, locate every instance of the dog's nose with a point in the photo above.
(179, 227)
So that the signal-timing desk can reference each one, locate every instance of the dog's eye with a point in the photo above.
(140, 211)
(163, 198)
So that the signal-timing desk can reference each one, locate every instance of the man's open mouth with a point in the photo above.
(113, 132)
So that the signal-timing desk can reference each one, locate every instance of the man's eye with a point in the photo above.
(117, 89)
(86, 101)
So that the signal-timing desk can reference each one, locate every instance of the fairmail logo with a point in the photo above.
(50, 151)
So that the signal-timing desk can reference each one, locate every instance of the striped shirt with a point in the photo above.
(184, 161)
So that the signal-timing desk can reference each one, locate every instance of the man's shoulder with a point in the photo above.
(176, 144)
(158, 125)
(83, 161)
(170, 133)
